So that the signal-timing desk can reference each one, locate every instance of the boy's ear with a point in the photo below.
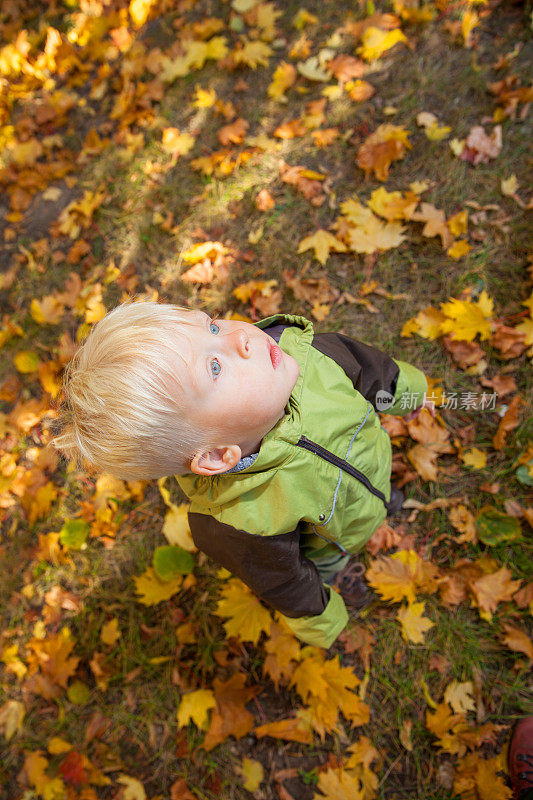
(216, 460)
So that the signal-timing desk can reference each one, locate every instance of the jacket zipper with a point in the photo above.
(320, 451)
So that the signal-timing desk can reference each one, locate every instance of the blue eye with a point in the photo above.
(215, 368)
(215, 326)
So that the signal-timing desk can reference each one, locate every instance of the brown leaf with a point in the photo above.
(427, 430)
(518, 641)
(502, 384)
(230, 717)
(493, 589)
(480, 148)
(234, 133)
(452, 590)
(463, 520)
(202, 272)
(510, 342)
(508, 422)
(464, 353)
(357, 639)
(180, 791)
(345, 67)
(384, 538)
(264, 201)
(387, 144)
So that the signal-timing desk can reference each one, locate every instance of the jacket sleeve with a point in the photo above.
(393, 387)
(274, 568)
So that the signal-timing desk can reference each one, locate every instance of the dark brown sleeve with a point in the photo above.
(368, 368)
(271, 566)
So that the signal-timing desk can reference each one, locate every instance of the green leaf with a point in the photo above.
(524, 476)
(494, 526)
(170, 561)
(79, 693)
(74, 533)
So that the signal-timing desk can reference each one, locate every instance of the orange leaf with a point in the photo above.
(234, 133)
(493, 589)
(291, 729)
(518, 641)
(230, 717)
(388, 143)
(508, 423)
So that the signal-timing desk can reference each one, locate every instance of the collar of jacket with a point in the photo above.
(278, 446)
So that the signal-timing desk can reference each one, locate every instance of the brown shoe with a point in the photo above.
(520, 759)
(352, 586)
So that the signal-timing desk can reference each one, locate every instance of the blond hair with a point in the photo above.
(124, 409)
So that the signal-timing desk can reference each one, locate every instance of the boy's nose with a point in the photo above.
(241, 342)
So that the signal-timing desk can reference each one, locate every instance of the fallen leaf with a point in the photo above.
(414, 625)
(459, 696)
(518, 641)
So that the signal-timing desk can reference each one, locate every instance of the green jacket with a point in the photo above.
(319, 483)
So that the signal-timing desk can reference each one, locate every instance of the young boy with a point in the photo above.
(271, 431)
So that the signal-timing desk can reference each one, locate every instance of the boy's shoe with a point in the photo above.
(396, 500)
(352, 586)
(520, 759)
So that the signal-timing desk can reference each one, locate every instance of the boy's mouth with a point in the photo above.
(276, 355)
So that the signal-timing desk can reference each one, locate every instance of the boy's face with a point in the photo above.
(239, 380)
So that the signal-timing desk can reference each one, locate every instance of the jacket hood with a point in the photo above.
(277, 447)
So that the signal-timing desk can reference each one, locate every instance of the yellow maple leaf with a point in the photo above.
(152, 590)
(11, 718)
(253, 54)
(176, 527)
(526, 328)
(435, 223)
(52, 657)
(35, 765)
(468, 23)
(338, 784)
(474, 457)
(26, 361)
(195, 706)
(49, 310)
(283, 651)
(402, 575)
(247, 617)
(459, 696)
(110, 632)
(253, 773)
(375, 42)
(375, 235)
(139, 11)
(134, 790)
(467, 319)
(509, 186)
(429, 323)
(414, 624)
(204, 98)
(176, 143)
(459, 249)
(393, 205)
(458, 224)
(198, 252)
(322, 242)
(283, 78)
(292, 729)
(308, 678)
